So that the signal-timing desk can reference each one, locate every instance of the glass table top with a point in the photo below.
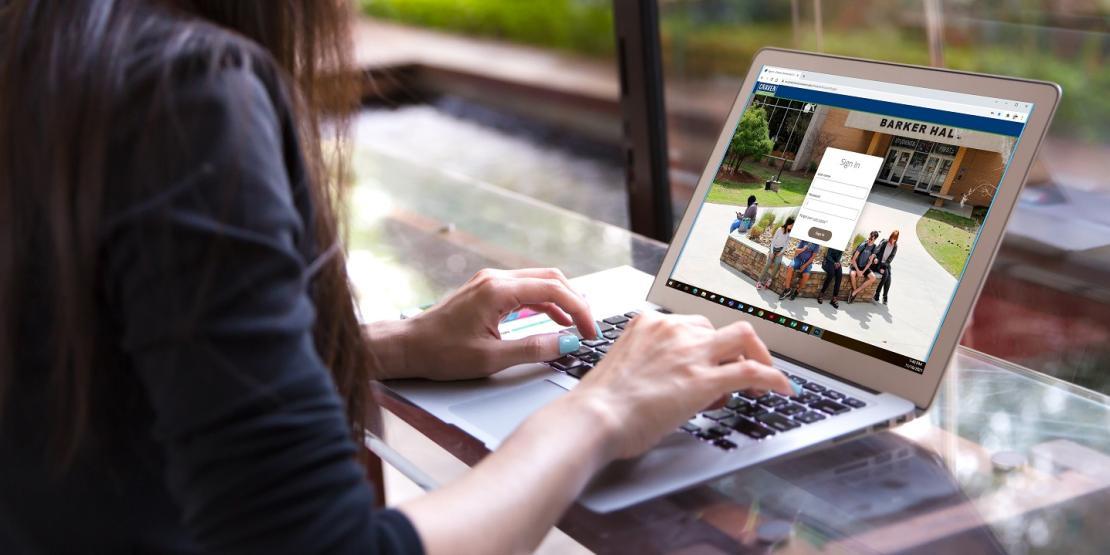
(1007, 460)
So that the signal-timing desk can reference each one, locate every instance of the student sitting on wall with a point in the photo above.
(745, 219)
(804, 255)
(774, 255)
(833, 273)
(884, 256)
(863, 264)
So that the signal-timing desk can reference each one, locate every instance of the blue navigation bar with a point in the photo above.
(893, 109)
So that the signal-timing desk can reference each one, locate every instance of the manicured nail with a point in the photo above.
(568, 344)
(597, 330)
(797, 388)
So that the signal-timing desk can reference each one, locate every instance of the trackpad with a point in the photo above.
(498, 415)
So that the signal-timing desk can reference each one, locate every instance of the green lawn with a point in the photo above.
(791, 192)
(947, 237)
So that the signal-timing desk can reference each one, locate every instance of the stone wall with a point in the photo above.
(748, 257)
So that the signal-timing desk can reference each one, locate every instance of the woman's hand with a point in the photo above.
(458, 338)
(664, 369)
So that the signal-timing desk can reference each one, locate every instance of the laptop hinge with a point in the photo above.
(824, 372)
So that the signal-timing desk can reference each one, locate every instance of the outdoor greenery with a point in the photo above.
(764, 221)
(584, 26)
(947, 238)
(791, 191)
(752, 139)
(703, 39)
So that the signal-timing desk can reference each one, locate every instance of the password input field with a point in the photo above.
(830, 209)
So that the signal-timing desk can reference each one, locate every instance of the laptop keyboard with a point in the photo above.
(756, 417)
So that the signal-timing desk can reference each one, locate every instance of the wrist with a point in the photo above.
(389, 344)
(593, 421)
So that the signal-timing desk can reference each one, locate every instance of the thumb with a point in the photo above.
(535, 348)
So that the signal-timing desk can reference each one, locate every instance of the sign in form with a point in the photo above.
(836, 197)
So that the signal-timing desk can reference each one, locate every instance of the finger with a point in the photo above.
(535, 348)
(557, 314)
(544, 273)
(750, 374)
(526, 291)
(736, 339)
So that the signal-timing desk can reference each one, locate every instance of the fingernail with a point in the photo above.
(568, 344)
(797, 388)
(597, 330)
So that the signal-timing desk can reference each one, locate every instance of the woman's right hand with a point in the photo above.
(666, 368)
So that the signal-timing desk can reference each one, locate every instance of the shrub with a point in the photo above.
(765, 221)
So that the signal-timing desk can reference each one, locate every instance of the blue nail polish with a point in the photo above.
(568, 344)
(597, 330)
(797, 388)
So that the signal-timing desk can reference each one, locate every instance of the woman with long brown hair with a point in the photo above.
(173, 297)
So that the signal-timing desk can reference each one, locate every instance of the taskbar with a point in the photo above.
(884, 355)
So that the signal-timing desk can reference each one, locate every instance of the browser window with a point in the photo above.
(847, 209)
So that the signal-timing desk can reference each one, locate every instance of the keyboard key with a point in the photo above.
(834, 395)
(621, 326)
(809, 417)
(633, 314)
(718, 431)
(582, 351)
(604, 348)
(813, 386)
(662, 310)
(772, 400)
(566, 363)
(777, 421)
(751, 429)
(603, 326)
(595, 342)
(614, 320)
(725, 444)
(612, 334)
(579, 371)
(806, 398)
(854, 403)
(798, 380)
(690, 427)
(750, 410)
(719, 414)
(747, 395)
(590, 357)
(829, 406)
(734, 403)
(791, 409)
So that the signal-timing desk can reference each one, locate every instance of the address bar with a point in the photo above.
(889, 96)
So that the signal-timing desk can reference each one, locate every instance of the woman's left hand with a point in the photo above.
(458, 338)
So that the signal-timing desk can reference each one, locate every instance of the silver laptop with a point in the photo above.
(841, 148)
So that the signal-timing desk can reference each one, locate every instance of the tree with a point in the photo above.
(752, 137)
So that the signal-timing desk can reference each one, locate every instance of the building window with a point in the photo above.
(787, 121)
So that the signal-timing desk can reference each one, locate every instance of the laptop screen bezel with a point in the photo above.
(828, 357)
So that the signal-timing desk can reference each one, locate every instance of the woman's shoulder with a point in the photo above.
(171, 51)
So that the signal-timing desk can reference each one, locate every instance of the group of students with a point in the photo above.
(870, 261)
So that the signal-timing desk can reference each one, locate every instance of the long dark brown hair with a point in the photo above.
(61, 73)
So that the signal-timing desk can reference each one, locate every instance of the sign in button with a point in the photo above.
(820, 234)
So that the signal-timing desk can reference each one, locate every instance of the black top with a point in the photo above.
(881, 252)
(832, 256)
(227, 434)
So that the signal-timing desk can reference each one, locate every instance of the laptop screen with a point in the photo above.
(846, 209)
